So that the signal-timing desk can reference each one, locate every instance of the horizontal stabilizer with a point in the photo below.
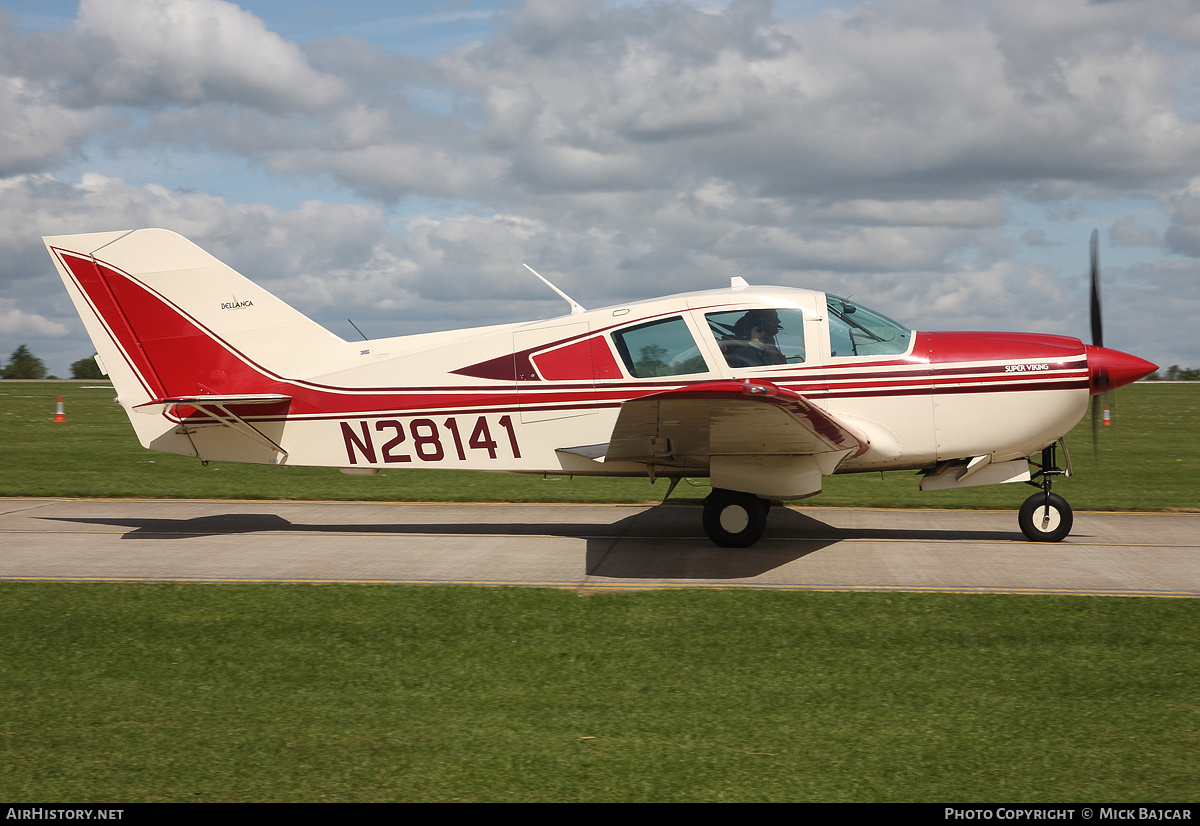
(220, 410)
(204, 402)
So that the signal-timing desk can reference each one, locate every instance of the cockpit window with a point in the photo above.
(753, 338)
(856, 331)
(660, 348)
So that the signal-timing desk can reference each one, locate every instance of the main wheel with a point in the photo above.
(733, 519)
(1042, 524)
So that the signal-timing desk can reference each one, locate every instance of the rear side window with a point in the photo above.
(659, 348)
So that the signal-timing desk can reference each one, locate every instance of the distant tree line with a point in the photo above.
(1175, 373)
(23, 364)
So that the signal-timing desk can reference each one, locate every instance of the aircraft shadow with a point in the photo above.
(664, 542)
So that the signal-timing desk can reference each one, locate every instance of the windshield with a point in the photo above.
(856, 331)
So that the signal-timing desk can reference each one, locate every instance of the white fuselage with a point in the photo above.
(548, 385)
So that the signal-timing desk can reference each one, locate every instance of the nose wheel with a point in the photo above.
(1046, 516)
(733, 519)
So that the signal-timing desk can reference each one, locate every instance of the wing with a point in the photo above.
(750, 436)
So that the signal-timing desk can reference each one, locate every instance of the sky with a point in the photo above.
(395, 163)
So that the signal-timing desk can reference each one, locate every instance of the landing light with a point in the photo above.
(763, 389)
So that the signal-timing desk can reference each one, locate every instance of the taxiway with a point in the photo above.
(589, 547)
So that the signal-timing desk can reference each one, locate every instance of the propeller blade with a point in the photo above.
(1097, 332)
(1097, 324)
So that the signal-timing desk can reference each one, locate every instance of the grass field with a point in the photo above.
(127, 693)
(317, 693)
(1150, 460)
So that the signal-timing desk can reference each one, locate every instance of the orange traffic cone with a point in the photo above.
(58, 413)
(1107, 417)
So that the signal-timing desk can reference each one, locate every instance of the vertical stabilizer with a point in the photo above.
(168, 319)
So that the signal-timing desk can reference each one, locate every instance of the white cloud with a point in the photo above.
(1127, 232)
(37, 131)
(15, 322)
(391, 170)
(193, 51)
(929, 95)
(938, 212)
(1183, 206)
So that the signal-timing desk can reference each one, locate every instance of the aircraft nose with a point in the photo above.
(1110, 369)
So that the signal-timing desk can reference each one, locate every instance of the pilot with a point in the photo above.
(752, 343)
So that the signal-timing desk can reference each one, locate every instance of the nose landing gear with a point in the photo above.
(1046, 516)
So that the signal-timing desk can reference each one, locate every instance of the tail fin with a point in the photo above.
(169, 320)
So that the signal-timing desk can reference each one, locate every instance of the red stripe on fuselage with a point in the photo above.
(175, 355)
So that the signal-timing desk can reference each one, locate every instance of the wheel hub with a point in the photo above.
(734, 518)
(1047, 518)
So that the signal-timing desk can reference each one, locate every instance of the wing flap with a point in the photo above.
(689, 425)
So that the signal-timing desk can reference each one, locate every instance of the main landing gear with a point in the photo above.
(733, 519)
(1046, 516)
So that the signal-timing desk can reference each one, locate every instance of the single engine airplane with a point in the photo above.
(765, 390)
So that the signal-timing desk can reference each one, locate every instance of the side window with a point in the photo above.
(753, 338)
(660, 348)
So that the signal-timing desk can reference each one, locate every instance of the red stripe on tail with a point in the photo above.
(171, 354)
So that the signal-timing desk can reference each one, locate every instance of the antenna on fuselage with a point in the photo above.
(576, 307)
(360, 332)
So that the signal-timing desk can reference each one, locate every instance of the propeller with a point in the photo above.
(1097, 324)
(1097, 336)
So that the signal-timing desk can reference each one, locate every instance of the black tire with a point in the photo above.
(1038, 526)
(733, 519)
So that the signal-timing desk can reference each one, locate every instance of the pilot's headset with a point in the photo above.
(767, 320)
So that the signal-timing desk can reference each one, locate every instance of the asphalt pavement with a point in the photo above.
(590, 547)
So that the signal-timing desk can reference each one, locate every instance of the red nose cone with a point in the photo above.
(1110, 369)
